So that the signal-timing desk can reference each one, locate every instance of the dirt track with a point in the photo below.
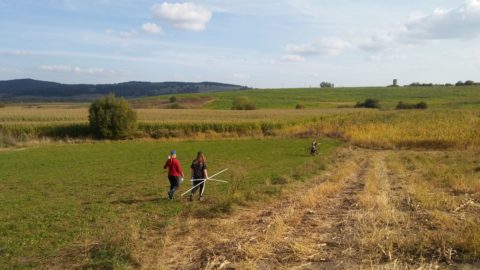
(317, 227)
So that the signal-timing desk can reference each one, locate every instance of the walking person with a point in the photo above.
(175, 173)
(199, 174)
(313, 148)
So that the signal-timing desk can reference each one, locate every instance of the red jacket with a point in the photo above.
(174, 168)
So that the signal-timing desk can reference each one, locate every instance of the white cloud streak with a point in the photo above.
(187, 16)
(293, 58)
(458, 23)
(78, 70)
(152, 28)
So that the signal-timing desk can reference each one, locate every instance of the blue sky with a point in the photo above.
(283, 43)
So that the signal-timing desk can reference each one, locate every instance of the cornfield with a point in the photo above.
(432, 129)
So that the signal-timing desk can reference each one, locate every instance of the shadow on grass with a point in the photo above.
(135, 201)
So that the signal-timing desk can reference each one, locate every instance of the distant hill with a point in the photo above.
(35, 90)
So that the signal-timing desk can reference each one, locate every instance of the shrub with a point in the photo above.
(459, 83)
(173, 99)
(112, 118)
(2, 105)
(243, 103)
(369, 103)
(407, 106)
(421, 105)
(469, 82)
(300, 106)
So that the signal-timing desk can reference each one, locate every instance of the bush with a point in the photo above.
(327, 85)
(459, 83)
(469, 83)
(243, 103)
(112, 118)
(421, 105)
(173, 99)
(300, 106)
(2, 105)
(407, 106)
(369, 103)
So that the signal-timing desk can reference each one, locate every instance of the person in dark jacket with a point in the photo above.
(199, 174)
(175, 173)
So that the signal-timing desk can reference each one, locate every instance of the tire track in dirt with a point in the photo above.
(307, 229)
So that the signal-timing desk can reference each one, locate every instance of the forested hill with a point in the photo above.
(35, 90)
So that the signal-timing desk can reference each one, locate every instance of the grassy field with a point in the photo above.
(82, 204)
(103, 205)
(452, 119)
(436, 97)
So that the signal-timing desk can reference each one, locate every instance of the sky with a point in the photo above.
(262, 44)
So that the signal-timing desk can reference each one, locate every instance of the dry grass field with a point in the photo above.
(371, 210)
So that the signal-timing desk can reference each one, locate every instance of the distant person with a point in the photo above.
(175, 173)
(313, 148)
(199, 175)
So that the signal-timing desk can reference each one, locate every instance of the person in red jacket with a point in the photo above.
(175, 173)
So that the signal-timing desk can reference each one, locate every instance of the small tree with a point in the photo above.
(243, 103)
(469, 83)
(112, 118)
(173, 99)
(327, 85)
(459, 83)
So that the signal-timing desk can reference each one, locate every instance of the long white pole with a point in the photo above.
(204, 180)
(209, 179)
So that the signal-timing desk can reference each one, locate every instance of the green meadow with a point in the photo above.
(57, 197)
(436, 97)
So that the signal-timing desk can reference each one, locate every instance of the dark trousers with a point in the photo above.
(196, 182)
(174, 181)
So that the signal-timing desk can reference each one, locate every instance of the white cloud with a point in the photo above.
(188, 16)
(461, 23)
(152, 28)
(458, 23)
(322, 46)
(17, 53)
(78, 70)
(127, 34)
(293, 58)
(122, 34)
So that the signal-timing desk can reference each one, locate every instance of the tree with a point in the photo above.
(243, 103)
(327, 85)
(112, 118)
(469, 82)
(459, 83)
(173, 99)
